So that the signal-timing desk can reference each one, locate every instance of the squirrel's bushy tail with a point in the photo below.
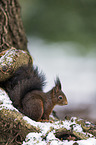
(24, 80)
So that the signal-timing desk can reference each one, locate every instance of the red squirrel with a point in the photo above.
(25, 89)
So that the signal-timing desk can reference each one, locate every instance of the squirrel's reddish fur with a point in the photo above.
(25, 89)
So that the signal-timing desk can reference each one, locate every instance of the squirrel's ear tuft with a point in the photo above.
(58, 83)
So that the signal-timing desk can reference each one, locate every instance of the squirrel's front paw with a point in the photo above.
(43, 120)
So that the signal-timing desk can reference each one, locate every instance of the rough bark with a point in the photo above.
(13, 54)
(12, 36)
(11, 60)
(11, 28)
(13, 128)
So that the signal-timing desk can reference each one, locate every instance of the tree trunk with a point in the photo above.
(11, 28)
(13, 54)
(12, 37)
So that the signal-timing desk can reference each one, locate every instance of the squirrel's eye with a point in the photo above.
(60, 97)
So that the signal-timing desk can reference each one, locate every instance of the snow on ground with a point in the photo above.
(5, 102)
(47, 128)
(36, 138)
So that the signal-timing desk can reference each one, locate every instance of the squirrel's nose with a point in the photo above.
(65, 102)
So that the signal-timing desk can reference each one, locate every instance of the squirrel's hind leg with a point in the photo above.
(33, 108)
